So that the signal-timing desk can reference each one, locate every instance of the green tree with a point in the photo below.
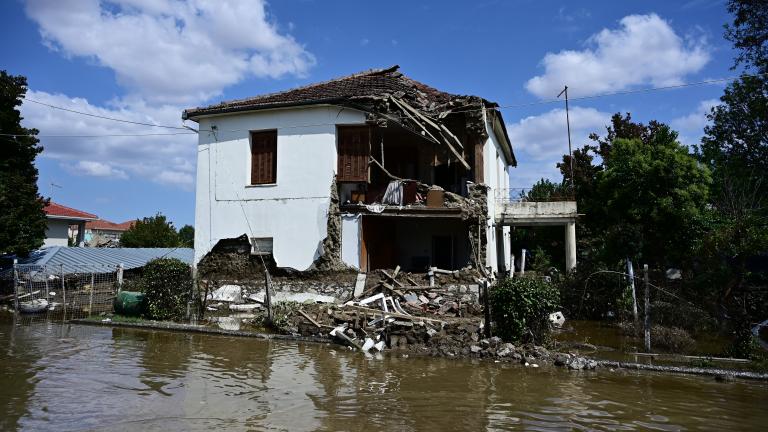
(749, 33)
(187, 236)
(653, 192)
(153, 231)
(22, 220)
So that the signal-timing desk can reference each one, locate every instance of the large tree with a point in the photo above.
(22, 220)
(652, 193)
(153, 231)
(749, 33)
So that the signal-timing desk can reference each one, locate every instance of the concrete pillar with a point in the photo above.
(80, 241)
(570, 246)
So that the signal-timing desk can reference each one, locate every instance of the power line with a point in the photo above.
(618, 93)
(103, 117)
(96, 136)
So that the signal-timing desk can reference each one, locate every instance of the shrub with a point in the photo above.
(520, 308)
(167, 284)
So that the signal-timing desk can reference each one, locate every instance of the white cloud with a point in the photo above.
(643, 50)
(97, 169)
(170, 50)
(545, 136)
(165, 159)
(691, 126)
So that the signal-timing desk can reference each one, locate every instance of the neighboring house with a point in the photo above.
(65, 223)
(373, 169)
(103, 231)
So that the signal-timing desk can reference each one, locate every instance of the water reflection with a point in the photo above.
(66, 377)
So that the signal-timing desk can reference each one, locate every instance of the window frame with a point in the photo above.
(250, 179)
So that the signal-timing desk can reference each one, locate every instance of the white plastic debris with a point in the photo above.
(244, 307)
(227, 293)
(557, 319)
(379, 346)
(368, 344)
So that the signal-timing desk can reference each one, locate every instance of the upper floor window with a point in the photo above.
(353, 153)
(263, 157)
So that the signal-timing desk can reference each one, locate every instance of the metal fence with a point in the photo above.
(513, 195)
(87, 291)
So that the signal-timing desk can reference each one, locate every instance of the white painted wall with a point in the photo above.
(351, 236)
(496, 174)
(57, 233)
(294, 210)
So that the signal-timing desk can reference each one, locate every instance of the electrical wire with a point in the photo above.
(617, 93)
(97, 136)
(103, 117)
(458, 110)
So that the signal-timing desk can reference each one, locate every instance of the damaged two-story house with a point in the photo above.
(368, 171)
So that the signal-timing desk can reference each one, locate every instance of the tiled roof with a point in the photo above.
(55, 210)
(374, 82)
(103, 224)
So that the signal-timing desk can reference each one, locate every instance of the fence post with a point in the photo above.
(631, 273)
(120, 277)
(90, 302)
(191, 292)
(267, 295)
(647, 323)
(487, 309)
(16, 284)
(63, 292)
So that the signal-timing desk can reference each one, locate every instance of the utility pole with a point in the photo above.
(568, 123)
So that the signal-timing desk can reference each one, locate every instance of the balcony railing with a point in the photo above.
(513, 195)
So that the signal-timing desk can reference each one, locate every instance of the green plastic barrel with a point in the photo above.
(129, 303)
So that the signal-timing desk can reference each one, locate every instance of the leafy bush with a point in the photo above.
(167, 284)
(520, 308)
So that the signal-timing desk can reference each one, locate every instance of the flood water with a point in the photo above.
(71, 377)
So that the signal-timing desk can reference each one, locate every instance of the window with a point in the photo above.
(354, 151)
(261, 245)
(264, 157)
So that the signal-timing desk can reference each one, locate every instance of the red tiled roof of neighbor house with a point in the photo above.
(55, 210)
(105, 225)
(374, 82)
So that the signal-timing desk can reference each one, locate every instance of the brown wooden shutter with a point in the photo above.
(354, 151)
(264, 157)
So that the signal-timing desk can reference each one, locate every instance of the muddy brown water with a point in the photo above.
(72, 377)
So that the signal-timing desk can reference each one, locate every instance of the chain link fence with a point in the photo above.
(74, 292)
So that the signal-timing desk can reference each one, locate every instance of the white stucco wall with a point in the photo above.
(496, 173)
(351, 234)
(57, 233)
(294, 210)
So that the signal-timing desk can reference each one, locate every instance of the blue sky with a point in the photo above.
(146, 60)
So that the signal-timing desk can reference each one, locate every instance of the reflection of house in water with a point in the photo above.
(372, 170)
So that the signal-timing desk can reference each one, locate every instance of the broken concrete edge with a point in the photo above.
(193, 328)
(687, 370)
(600, 364)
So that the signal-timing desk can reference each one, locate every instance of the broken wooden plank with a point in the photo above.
(390, 175)
(401, 103)
(413, 119)
(309, 318)
(393, 314)
(391, 278)
(459, 157)
(444, 129)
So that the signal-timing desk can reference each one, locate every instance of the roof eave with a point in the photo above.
(195, 113)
